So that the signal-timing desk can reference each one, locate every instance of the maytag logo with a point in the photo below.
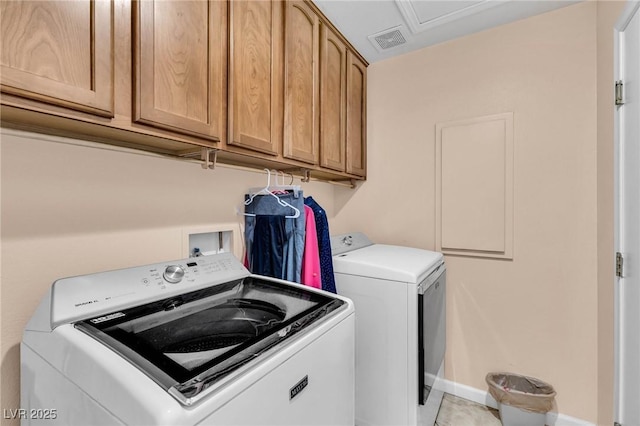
(294, 391)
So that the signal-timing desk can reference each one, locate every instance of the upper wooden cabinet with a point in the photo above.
(255, 75)
(343, 85)
(301, 79)
(333, 82)
(265, 83)
(356, 116)
(180, 66)
(59, 52)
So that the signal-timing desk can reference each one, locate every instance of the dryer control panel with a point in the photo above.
(344, 243)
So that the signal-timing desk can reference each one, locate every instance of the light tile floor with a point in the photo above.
(456, 411)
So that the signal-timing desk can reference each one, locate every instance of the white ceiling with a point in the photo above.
(422, 22)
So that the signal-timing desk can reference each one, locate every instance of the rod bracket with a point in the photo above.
(209, 156)
(305, 175)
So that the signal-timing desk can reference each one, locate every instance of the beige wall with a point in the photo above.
(538, 314)
(69, 210)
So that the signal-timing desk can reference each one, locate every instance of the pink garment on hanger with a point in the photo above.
(311, 256)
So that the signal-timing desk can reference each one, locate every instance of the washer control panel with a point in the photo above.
(85, 296)
(173, 274)
(189, 271)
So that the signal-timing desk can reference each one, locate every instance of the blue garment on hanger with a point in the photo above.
(268, 246)
(324, 245)
(294, 228)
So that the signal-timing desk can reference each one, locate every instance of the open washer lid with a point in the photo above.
(195, 342)
(386, 262)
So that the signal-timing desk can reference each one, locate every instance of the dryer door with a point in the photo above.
(431, 330)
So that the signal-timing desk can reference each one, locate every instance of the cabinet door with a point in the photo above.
(255, 75)
(356, 116)
(180, 66)
(333, 81)
(59, 52)
(301, 83)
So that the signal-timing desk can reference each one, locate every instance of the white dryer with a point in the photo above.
(399, 297)
(194, 341)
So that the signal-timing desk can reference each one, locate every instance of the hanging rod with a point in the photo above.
(306, 177)
(350, 183)
(208, 156)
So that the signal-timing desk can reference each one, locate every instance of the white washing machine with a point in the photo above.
(399, 297)
(195, 341)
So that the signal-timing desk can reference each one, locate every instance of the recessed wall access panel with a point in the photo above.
(474, 186)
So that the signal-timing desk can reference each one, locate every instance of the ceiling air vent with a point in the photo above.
(388, 39)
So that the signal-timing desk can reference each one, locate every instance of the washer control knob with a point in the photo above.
(348, 240)
(173, 274)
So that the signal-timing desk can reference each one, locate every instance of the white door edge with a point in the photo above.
(623, 21)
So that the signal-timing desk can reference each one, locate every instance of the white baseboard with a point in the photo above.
(485, 398)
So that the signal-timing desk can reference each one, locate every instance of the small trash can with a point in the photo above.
(522, 400)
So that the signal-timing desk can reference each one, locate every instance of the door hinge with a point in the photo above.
(619, 264)
(619, 93)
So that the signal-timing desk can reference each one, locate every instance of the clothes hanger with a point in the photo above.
(283, 187)
(278, 187)
(267, 190)
(255, 191)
